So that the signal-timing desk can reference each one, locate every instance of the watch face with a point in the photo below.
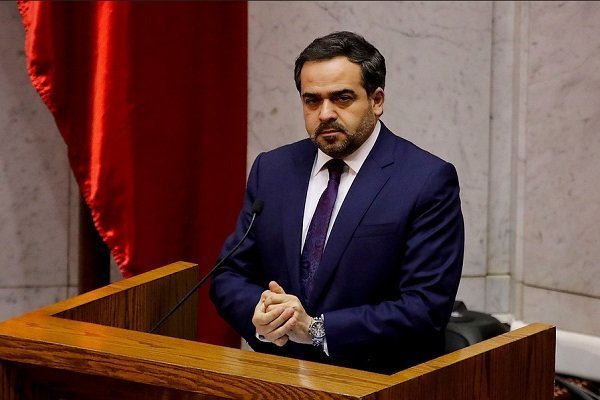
(317, 329)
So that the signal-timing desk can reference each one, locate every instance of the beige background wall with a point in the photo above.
(507, 91)
(36, 211)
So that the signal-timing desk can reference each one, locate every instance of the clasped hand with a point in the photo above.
(279, 317)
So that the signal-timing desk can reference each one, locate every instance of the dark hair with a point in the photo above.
(352, 46)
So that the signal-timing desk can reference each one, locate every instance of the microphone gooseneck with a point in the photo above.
(257, 208)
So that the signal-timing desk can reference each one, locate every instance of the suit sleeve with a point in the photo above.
(430, 269)
(234, 289)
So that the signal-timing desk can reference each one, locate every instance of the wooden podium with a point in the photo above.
(94, 346)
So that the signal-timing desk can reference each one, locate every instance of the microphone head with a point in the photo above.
(257, 206)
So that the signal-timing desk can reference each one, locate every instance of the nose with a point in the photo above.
(327, 111)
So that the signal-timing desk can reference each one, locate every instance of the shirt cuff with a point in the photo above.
(325, 349)
(261, 338)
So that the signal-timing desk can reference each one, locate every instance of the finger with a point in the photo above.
(264, 295)
(262, 317)
(266, 323)
(287, 304)
(275, 298)
(281, 341)
(282, 330)
(260, 307)
(275, 287)
(283, 299)
(270, 331)
(275, 324)
(274, 307)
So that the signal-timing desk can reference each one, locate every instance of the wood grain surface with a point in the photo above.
(94, 346)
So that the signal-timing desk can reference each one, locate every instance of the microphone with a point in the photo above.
(257, 208)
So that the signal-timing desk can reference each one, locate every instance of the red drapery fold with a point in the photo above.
(150, 98)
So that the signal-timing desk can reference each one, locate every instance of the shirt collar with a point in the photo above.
(354, 160)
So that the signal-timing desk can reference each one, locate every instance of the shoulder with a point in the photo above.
(406, 154)
(422, 176)
(296, 149)
(290, 154)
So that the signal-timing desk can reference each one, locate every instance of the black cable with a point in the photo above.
(580, 392)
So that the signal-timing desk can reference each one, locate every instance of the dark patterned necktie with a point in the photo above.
(317, 230)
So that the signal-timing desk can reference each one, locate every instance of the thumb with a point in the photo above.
(274, 287)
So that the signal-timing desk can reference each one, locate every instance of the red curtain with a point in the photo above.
(150, 98)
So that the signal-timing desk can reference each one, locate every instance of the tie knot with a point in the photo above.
(335, 167)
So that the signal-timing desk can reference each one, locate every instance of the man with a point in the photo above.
(356, 261)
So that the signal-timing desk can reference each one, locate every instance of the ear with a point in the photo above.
(377, 100)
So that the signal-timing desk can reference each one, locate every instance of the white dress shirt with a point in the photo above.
(320, 176)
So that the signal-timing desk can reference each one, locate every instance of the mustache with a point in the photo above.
(330, 126)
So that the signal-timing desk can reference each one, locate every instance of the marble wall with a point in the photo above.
(560, 198)
(438, 57)
(35, 199)
(506, 91)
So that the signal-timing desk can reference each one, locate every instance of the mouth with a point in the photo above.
(330, 136)
(330, 133)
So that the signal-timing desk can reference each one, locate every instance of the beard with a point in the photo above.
(351, 141)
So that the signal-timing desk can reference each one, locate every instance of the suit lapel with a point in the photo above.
(293, 210)
(371, 178)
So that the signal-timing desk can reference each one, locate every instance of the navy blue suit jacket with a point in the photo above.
(391, 267)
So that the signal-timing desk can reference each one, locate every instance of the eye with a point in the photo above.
(311, 101)
(344, 100)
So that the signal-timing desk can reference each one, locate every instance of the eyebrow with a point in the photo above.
(336, 93)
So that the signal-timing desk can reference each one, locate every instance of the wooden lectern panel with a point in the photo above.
(94, 346)
(138, 303)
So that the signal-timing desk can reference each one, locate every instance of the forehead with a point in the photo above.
(330, 75)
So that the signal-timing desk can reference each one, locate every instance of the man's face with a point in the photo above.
(338, 114)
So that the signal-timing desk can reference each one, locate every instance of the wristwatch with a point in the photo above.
(316, 331)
